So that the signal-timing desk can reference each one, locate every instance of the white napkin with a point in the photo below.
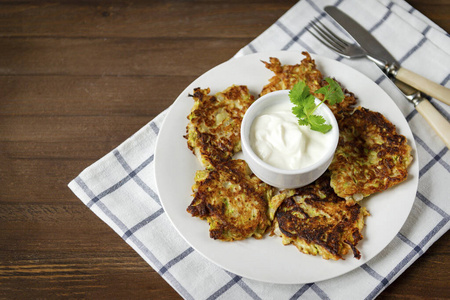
(120, 187)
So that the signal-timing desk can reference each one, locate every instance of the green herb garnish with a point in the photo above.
(305, 106)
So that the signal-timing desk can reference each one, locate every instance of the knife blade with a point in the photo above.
(392, 68)
(437, 121)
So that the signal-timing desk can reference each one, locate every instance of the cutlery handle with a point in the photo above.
(438, 122)
(429, 87)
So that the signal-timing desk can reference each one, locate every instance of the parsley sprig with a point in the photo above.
(305, 105)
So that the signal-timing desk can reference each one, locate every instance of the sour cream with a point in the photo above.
(278, 140)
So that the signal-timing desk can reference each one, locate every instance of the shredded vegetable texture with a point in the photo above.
(305, 105)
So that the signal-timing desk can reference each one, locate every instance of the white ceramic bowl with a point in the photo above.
(274, 176)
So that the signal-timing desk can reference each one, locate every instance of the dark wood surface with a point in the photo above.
(79, 77)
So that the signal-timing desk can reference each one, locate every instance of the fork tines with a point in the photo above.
(326, 36)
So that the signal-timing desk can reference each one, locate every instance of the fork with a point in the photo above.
(348, 50)
(342, 47)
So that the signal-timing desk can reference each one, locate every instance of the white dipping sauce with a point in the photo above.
(277, 139)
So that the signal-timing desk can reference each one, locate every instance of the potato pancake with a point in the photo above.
(213, 131)
(318, 222)
(233, 201)
(286, 76)
(370, 156)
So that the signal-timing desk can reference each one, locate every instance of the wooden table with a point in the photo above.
(78, 78)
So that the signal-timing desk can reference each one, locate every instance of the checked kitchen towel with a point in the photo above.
(120, 187)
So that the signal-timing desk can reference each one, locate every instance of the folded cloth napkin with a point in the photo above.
(120, 187)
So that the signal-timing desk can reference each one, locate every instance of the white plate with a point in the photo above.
(267, 259)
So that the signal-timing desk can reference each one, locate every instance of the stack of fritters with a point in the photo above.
(213, 131)
(226, 193)
(233, 201)
(319, 219)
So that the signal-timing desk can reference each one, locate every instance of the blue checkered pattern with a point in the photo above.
(120, 187)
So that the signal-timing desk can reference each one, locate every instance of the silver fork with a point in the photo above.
(345, 49)
(340, 46)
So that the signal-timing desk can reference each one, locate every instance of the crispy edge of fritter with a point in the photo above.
(221, 196)
(213, 131)
(370, 157)
(319, 198)
(286, 76)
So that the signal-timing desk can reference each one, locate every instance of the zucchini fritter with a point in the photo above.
(318, 222)
(233, 201)
(213, 133)
(286, 76)
(370, 156)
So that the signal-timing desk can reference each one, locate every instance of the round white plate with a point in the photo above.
(267, 259)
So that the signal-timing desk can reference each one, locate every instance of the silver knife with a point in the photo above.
(389, 64)
(438, 122)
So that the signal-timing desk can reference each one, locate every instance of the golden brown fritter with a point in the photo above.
(232, 200)
(286, 76)
(370, 156)
(318, 222)
(213, 132)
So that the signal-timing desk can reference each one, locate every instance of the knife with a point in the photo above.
(438, 122)
(390, 66)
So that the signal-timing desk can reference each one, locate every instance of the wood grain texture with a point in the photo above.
(79, 77)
